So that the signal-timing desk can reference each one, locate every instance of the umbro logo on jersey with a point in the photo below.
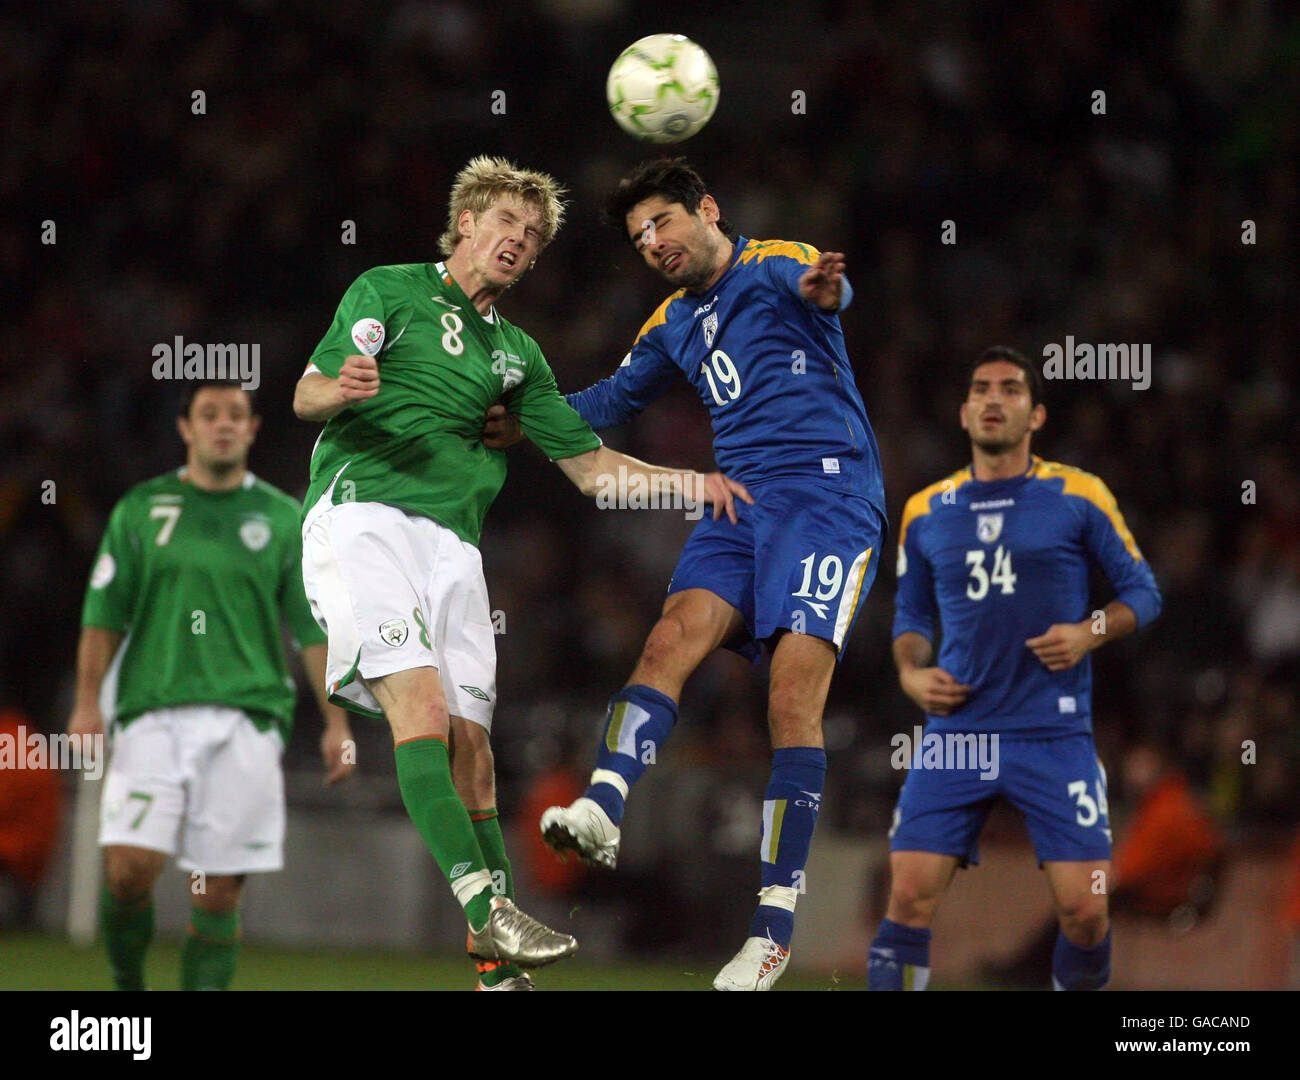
(444, 300)
(710, 329)
(394, 632)
(459, 869)
(475, 692)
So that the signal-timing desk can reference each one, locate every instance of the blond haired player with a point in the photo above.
(400, 483)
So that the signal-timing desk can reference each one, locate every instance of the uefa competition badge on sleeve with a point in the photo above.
(368, 336)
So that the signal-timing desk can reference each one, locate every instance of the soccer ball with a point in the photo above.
(662, 88)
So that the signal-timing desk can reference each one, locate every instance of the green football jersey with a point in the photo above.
(416, 443)
(199, 581)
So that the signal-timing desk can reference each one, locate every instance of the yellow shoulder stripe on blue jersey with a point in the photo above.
(1090, 487)
(761, 249)
(919, 504)
(659, 317)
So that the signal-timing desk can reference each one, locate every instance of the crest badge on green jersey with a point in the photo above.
(104, 572)
(255, 533)
(394, 632)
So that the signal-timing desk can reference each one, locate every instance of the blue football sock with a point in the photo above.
(899, 958)
(790, 806)
(637, 725)
(1077, 968)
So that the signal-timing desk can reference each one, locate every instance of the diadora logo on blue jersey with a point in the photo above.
(704, 307)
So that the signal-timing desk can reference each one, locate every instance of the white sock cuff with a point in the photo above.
(781, 896)
(468, 886)
(609, 776)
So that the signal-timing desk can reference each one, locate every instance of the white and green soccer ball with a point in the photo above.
(663, 88)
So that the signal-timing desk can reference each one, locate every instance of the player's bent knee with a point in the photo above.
(1085, 923)
(130, 872)
(220, 895)
(665, 641)
(912, 912)
(913, 901)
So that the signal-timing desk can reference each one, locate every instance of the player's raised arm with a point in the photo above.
(823, 283)
(317, 397)
(343, 369)
(605, 470)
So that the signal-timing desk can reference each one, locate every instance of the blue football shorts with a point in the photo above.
(802, 558)
(1058, 784)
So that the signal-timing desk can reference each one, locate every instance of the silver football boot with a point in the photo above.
(516, 938)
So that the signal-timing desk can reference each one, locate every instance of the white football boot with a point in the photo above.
(760, 962)
(585, 828)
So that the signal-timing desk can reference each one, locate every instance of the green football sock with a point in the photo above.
(128, 929)
(487, 827)
(424, 777)
(491, 841)
(208, 955)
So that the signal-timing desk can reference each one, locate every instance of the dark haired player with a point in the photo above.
(1000, 552)
(754, 326)
(195, 572)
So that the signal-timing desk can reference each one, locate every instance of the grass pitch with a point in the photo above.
(40, 962)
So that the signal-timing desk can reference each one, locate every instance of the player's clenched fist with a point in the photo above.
(359, 378)
(933, 689)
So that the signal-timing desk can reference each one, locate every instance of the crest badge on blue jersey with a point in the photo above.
(710, 328)
(988, 528)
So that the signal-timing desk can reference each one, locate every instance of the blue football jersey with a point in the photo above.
(1001, 561)
(770, 367)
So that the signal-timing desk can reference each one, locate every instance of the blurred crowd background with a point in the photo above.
(1121, 227)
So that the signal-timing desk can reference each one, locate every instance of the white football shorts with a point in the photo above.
(396, 591)
(199, 782)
